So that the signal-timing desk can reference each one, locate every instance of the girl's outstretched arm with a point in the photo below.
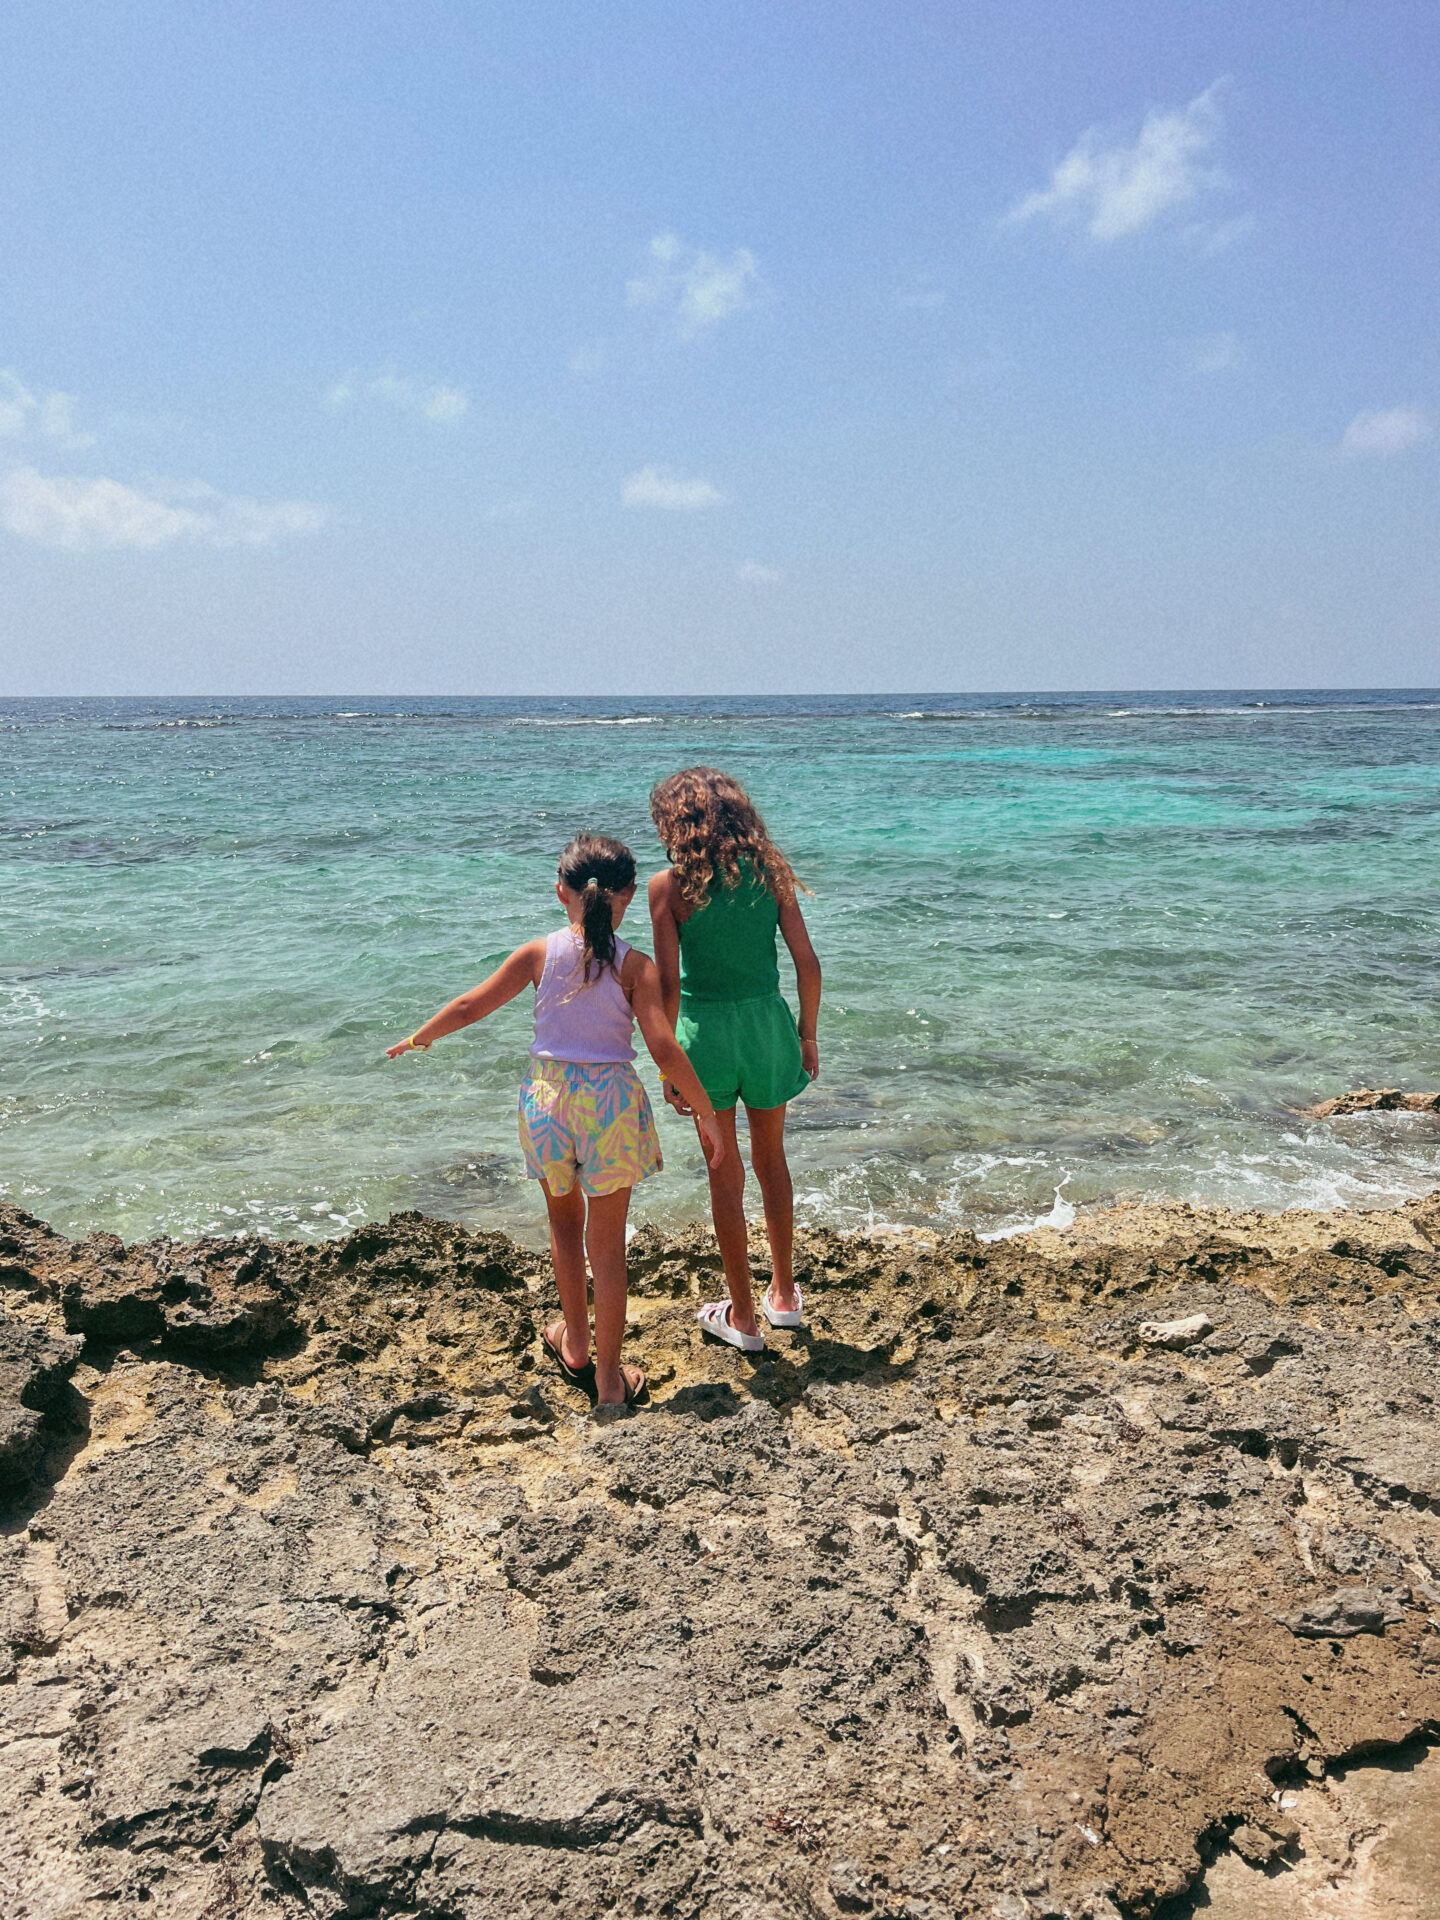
(523, 969)
(643, 987)
(796, 936)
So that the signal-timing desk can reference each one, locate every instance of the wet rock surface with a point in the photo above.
(323, 1595)
(1375, 1100)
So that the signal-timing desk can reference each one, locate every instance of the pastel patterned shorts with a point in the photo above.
(590, 1121)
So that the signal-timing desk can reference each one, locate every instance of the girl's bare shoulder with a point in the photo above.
(634, 969)
(793, 930)
(531, 957)
(665, 897)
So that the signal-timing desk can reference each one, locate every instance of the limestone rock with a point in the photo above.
(1352, 1610)
(34, 1367)
(959, 1601)
(1375, 1100)
(1176, 1333)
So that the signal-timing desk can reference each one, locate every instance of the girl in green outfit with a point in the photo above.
(716, 911)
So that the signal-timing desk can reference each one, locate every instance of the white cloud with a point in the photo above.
(51, 415)
(662, 487)
(1209, 237)
(702, 288)
(1216, 353)
(1386, 431)
(756, 574)
(56, 420)
(441, 405)
(588, 361)
(445, 405)
(1114, 190)
(105, 516)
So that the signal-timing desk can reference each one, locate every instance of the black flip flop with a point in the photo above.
(581, 1377)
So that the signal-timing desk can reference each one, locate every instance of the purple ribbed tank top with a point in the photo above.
(576, 1019)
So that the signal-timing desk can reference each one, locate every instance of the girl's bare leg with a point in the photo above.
(767, 1156)
(567, 1255)
(727, 1209)
(605, 1243)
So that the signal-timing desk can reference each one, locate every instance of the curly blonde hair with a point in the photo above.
(708, 824)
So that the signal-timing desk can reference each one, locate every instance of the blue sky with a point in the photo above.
(674, 346)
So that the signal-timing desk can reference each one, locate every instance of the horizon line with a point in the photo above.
(882, 693)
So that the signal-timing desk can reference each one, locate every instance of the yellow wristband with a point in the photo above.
(421, 1046)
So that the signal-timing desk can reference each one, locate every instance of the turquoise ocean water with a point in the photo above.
(1103, 942)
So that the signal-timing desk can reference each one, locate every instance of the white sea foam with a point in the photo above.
(163, 726)
(22, 1008)
(587, 720)
(1060, 1216)
(1292, 1183)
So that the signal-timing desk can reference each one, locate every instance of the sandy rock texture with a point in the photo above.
(324, 1596)
(1366, 1847)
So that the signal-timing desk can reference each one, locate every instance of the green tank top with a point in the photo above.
(727, 947)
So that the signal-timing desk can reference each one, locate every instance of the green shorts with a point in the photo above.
(743, 1050)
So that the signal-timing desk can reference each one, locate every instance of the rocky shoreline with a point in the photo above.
(990, 1592)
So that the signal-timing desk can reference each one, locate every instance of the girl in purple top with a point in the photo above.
(585, 1120)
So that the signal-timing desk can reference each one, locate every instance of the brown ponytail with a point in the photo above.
(597, 868)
